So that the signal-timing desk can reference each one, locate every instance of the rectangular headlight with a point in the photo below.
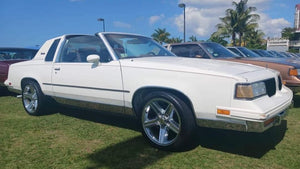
(250, 91)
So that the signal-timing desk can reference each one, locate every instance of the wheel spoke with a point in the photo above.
(30, 106)
(150, 123)
(34, 96)
(156, 108)
(169, 110)
(163, 135)
(27, 95)
(174, 126)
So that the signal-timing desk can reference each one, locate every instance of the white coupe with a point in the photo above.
(133, 75)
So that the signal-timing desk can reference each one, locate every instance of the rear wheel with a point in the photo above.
(167, 122)
(33, 99)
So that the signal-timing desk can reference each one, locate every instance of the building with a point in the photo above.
(281, 45)
(284, 45)
(297, 18)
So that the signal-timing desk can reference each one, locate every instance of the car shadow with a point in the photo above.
(134, 153)
(254, 145)
(117, 120)
(296, 100)
(4, 92)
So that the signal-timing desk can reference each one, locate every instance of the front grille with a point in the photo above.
(279, 83)
(270, 86)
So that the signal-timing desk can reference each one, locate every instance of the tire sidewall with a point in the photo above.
(40, 98)
(186, 117)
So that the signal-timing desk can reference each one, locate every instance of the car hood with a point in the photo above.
(193, 65)
(285, 61)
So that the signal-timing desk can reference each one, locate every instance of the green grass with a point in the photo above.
(82, 139)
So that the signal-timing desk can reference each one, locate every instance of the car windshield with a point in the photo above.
(248, 52)
(133, 46)
(218, 51)
(16, 54)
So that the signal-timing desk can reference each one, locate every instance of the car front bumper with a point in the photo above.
(244, 125)
(269, 112)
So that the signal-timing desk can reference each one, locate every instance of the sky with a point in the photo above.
(29, 23)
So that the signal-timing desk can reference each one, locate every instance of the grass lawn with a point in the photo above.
(81, 139)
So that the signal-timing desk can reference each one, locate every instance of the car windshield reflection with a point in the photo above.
(132, 46)
(218, 51)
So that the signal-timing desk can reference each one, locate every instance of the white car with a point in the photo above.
(133, 75)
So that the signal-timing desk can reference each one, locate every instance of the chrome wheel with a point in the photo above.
(161, 121)
(30, 98)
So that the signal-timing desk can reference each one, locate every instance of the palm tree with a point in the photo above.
(161, 35)
(237, 21)
(174, 40)
(193, 38)
(254, 39)
(218, 39)
(228, 27)
(245, 21)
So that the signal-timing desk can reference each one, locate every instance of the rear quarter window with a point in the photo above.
(51, 52)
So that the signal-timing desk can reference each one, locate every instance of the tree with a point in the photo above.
(218, 39)
(245, 20)
(228, 27)
(174, 40)
(193, 38)
(288, 33)
(237, 21)
(161, 35)
(254, 39)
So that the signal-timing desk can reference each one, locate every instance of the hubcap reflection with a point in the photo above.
(30, 99)
(161, 121)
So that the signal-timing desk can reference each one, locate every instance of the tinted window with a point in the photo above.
(77, 48)
(17, 54)
(217, 50)
(51, 52)
(189, 50)
(235, 51)
(248, 52)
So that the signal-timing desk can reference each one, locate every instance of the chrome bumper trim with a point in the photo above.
(245, 126)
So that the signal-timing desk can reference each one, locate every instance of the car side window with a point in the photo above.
(78, 47)
(236, 51)
(191, 50)
(51, 52)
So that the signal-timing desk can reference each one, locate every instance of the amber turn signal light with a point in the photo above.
(223, 112)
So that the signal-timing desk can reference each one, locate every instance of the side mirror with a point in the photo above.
(93, 58)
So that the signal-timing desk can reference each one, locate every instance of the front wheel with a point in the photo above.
(33, 99)
(167, 122)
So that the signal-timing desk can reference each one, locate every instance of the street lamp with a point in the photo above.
(102, 20)
(182, 5)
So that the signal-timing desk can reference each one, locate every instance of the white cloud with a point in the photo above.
(272, 27)
(121, 24)
(156, 18)
(203, 16)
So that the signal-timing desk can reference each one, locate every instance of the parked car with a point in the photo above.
(243, 52)
(134, 75)
(9, 56)
(262, 53)
(289, 68)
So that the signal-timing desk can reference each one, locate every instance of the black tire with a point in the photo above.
(34, 101)
(166, 121)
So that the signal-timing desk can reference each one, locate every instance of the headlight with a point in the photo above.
(294, 72)
(250, 91)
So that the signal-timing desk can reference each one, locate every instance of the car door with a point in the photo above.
(75, 80)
